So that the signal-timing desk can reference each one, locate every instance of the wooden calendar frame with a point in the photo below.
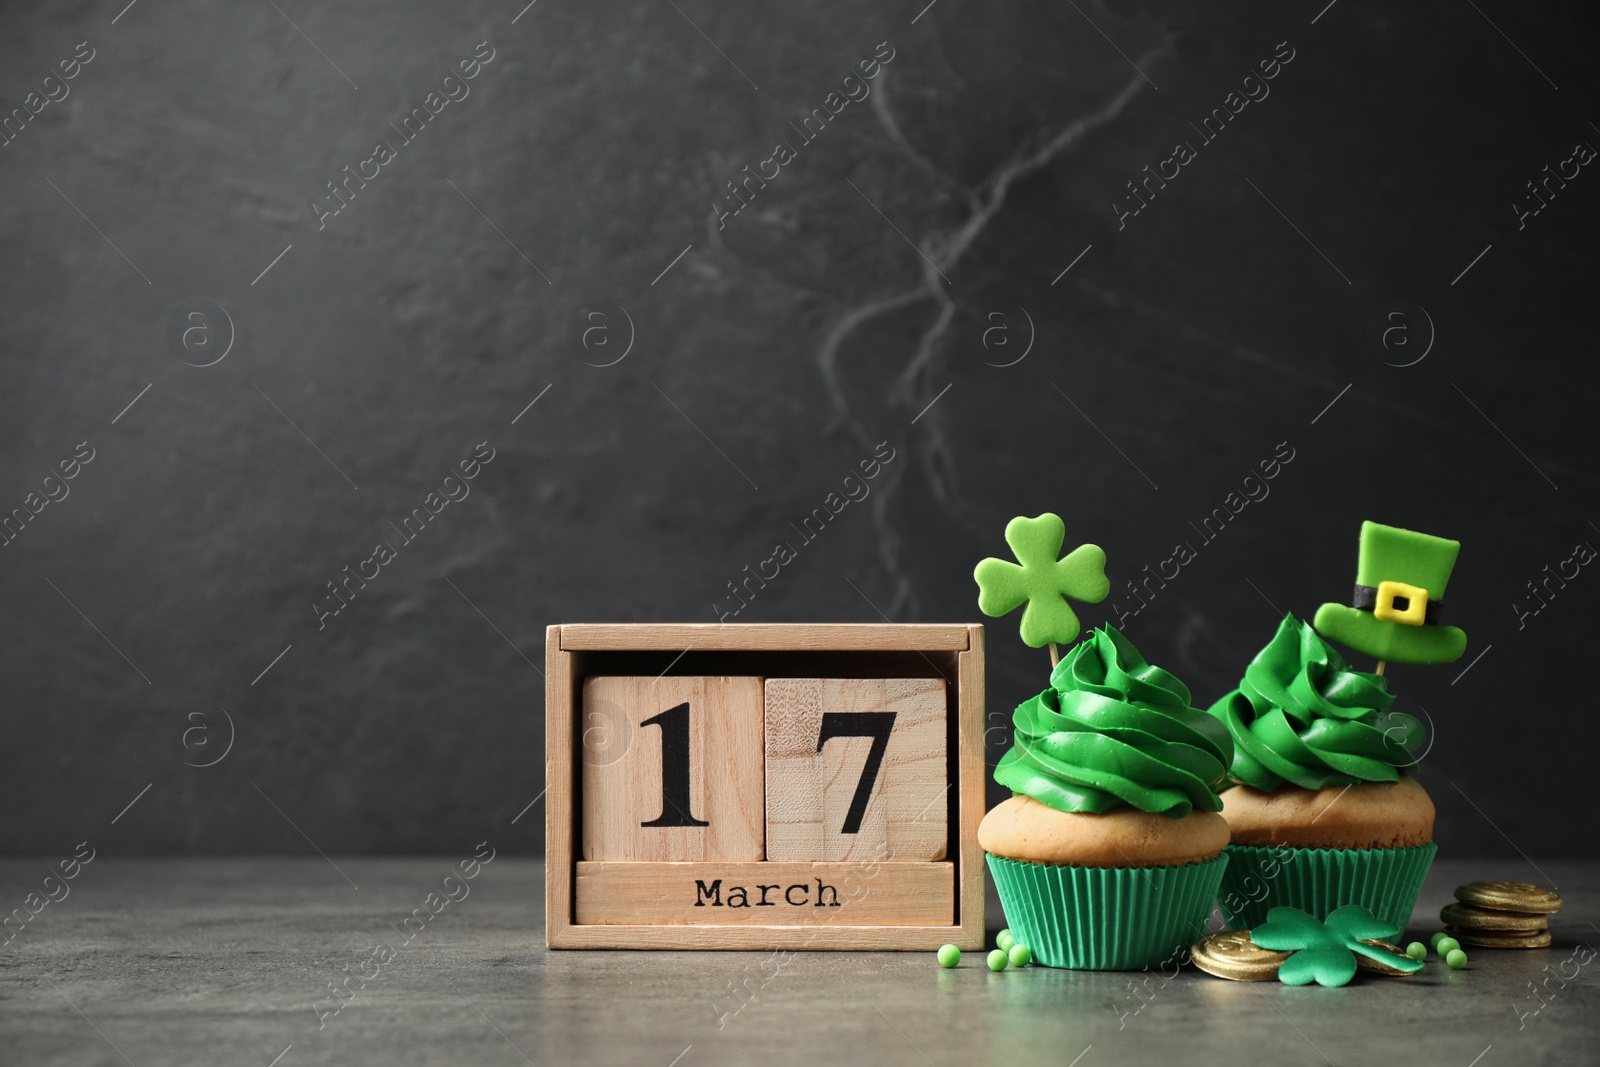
(574, 652)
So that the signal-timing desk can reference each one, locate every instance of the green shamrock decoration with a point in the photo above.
(1043, 581)
(1324, 952)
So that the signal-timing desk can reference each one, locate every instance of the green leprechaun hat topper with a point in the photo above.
(1395, 611)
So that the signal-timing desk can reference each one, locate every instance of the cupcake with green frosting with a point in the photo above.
(1323, 809)
(1110, 851)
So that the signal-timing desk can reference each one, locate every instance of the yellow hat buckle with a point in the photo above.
(1414, 599)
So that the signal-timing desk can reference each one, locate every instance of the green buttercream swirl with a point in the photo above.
(1112, 731)
(1302, 717)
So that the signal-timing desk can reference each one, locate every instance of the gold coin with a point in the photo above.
(1367, 963)
(1231, 954)
(1467, 917)
(1485, 939)
(1510, 896)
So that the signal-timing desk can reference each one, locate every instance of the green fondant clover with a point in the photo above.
(1042, 581)
(1324, 952)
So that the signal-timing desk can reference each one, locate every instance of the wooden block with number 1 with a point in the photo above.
(672, 769)
(856, 769)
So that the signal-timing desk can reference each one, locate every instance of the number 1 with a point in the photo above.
(873, 724)
(674, 723)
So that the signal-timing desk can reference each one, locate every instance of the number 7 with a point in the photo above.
(873, 724)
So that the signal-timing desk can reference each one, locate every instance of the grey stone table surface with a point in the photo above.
(229, 961)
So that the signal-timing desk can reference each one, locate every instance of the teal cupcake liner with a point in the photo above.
(1385, 881)
(1106, 918)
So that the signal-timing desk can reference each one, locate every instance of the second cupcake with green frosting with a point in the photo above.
(1323, 810)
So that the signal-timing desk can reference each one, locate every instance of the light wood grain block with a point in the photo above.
(561, 693)
(856, 769)
(687, 786)
(753, 637)
(972, 772)
(867, 893)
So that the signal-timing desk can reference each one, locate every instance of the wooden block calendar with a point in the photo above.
(764, 786)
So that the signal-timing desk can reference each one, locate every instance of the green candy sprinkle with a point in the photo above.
(998, 959)
(1020, 955)
(1438, 935)
(949, 955)
(1446, 945)
(1004, 940)
(1417, 950)
(1456, 959)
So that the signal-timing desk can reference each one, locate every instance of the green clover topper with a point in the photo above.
(1043, 581)
(1324, 952)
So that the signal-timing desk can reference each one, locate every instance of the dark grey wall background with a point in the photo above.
(769, 356)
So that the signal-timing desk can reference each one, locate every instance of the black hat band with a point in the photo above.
(1365, 598)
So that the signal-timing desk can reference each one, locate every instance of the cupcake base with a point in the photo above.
(1106, 918)
(1385, 881)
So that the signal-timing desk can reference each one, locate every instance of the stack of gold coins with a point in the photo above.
(1501, 915)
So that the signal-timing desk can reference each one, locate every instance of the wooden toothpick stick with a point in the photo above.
(1055, 656)
(1382, 663)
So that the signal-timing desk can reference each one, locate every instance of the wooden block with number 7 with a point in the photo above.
(856, 769)
(672, 769)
